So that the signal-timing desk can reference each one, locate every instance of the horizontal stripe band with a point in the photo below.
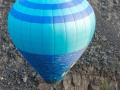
(49, 1)
(50, 19)
(50, 6)
(56, 12)
(49, 55)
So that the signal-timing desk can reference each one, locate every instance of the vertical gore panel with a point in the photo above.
(85, 4)
(26, 36)
(80, 34)
(60, 34)
(36, 38)
(48, 35)
(93, 22)
(80, 6)
(17, 36)
(48, 38)
(88, 30)
(60, 38)
(71, 36)
(88, 24)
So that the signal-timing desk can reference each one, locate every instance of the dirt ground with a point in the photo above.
(97, 69)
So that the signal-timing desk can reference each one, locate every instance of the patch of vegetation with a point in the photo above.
(105, 85)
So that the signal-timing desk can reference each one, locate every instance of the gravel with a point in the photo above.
(100, 60)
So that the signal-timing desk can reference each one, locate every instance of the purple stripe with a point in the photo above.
(50, 6)
(52, 19)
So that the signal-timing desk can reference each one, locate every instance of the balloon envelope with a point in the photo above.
(51, 34)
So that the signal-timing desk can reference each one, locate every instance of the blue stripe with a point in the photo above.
(49, 1)
(51, 67)
(50, 19)
(50, 6)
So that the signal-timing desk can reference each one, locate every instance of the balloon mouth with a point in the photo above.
(52, 81)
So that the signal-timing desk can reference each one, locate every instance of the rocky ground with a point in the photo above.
(97, 69)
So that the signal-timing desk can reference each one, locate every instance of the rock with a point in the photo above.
(25, 78)
(97, 81)
(1, 78)
(104, 38)
(0, 53)
(76, 79)
(95, 87)
(67, 82)
(43, 86)
(116, 1)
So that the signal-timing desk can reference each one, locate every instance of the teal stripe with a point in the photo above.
(25, 36)
(42, 39)
(57, 12)
(49, 1)
(15, 32)
(36, 38)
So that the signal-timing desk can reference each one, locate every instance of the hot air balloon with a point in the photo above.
(51, 34)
